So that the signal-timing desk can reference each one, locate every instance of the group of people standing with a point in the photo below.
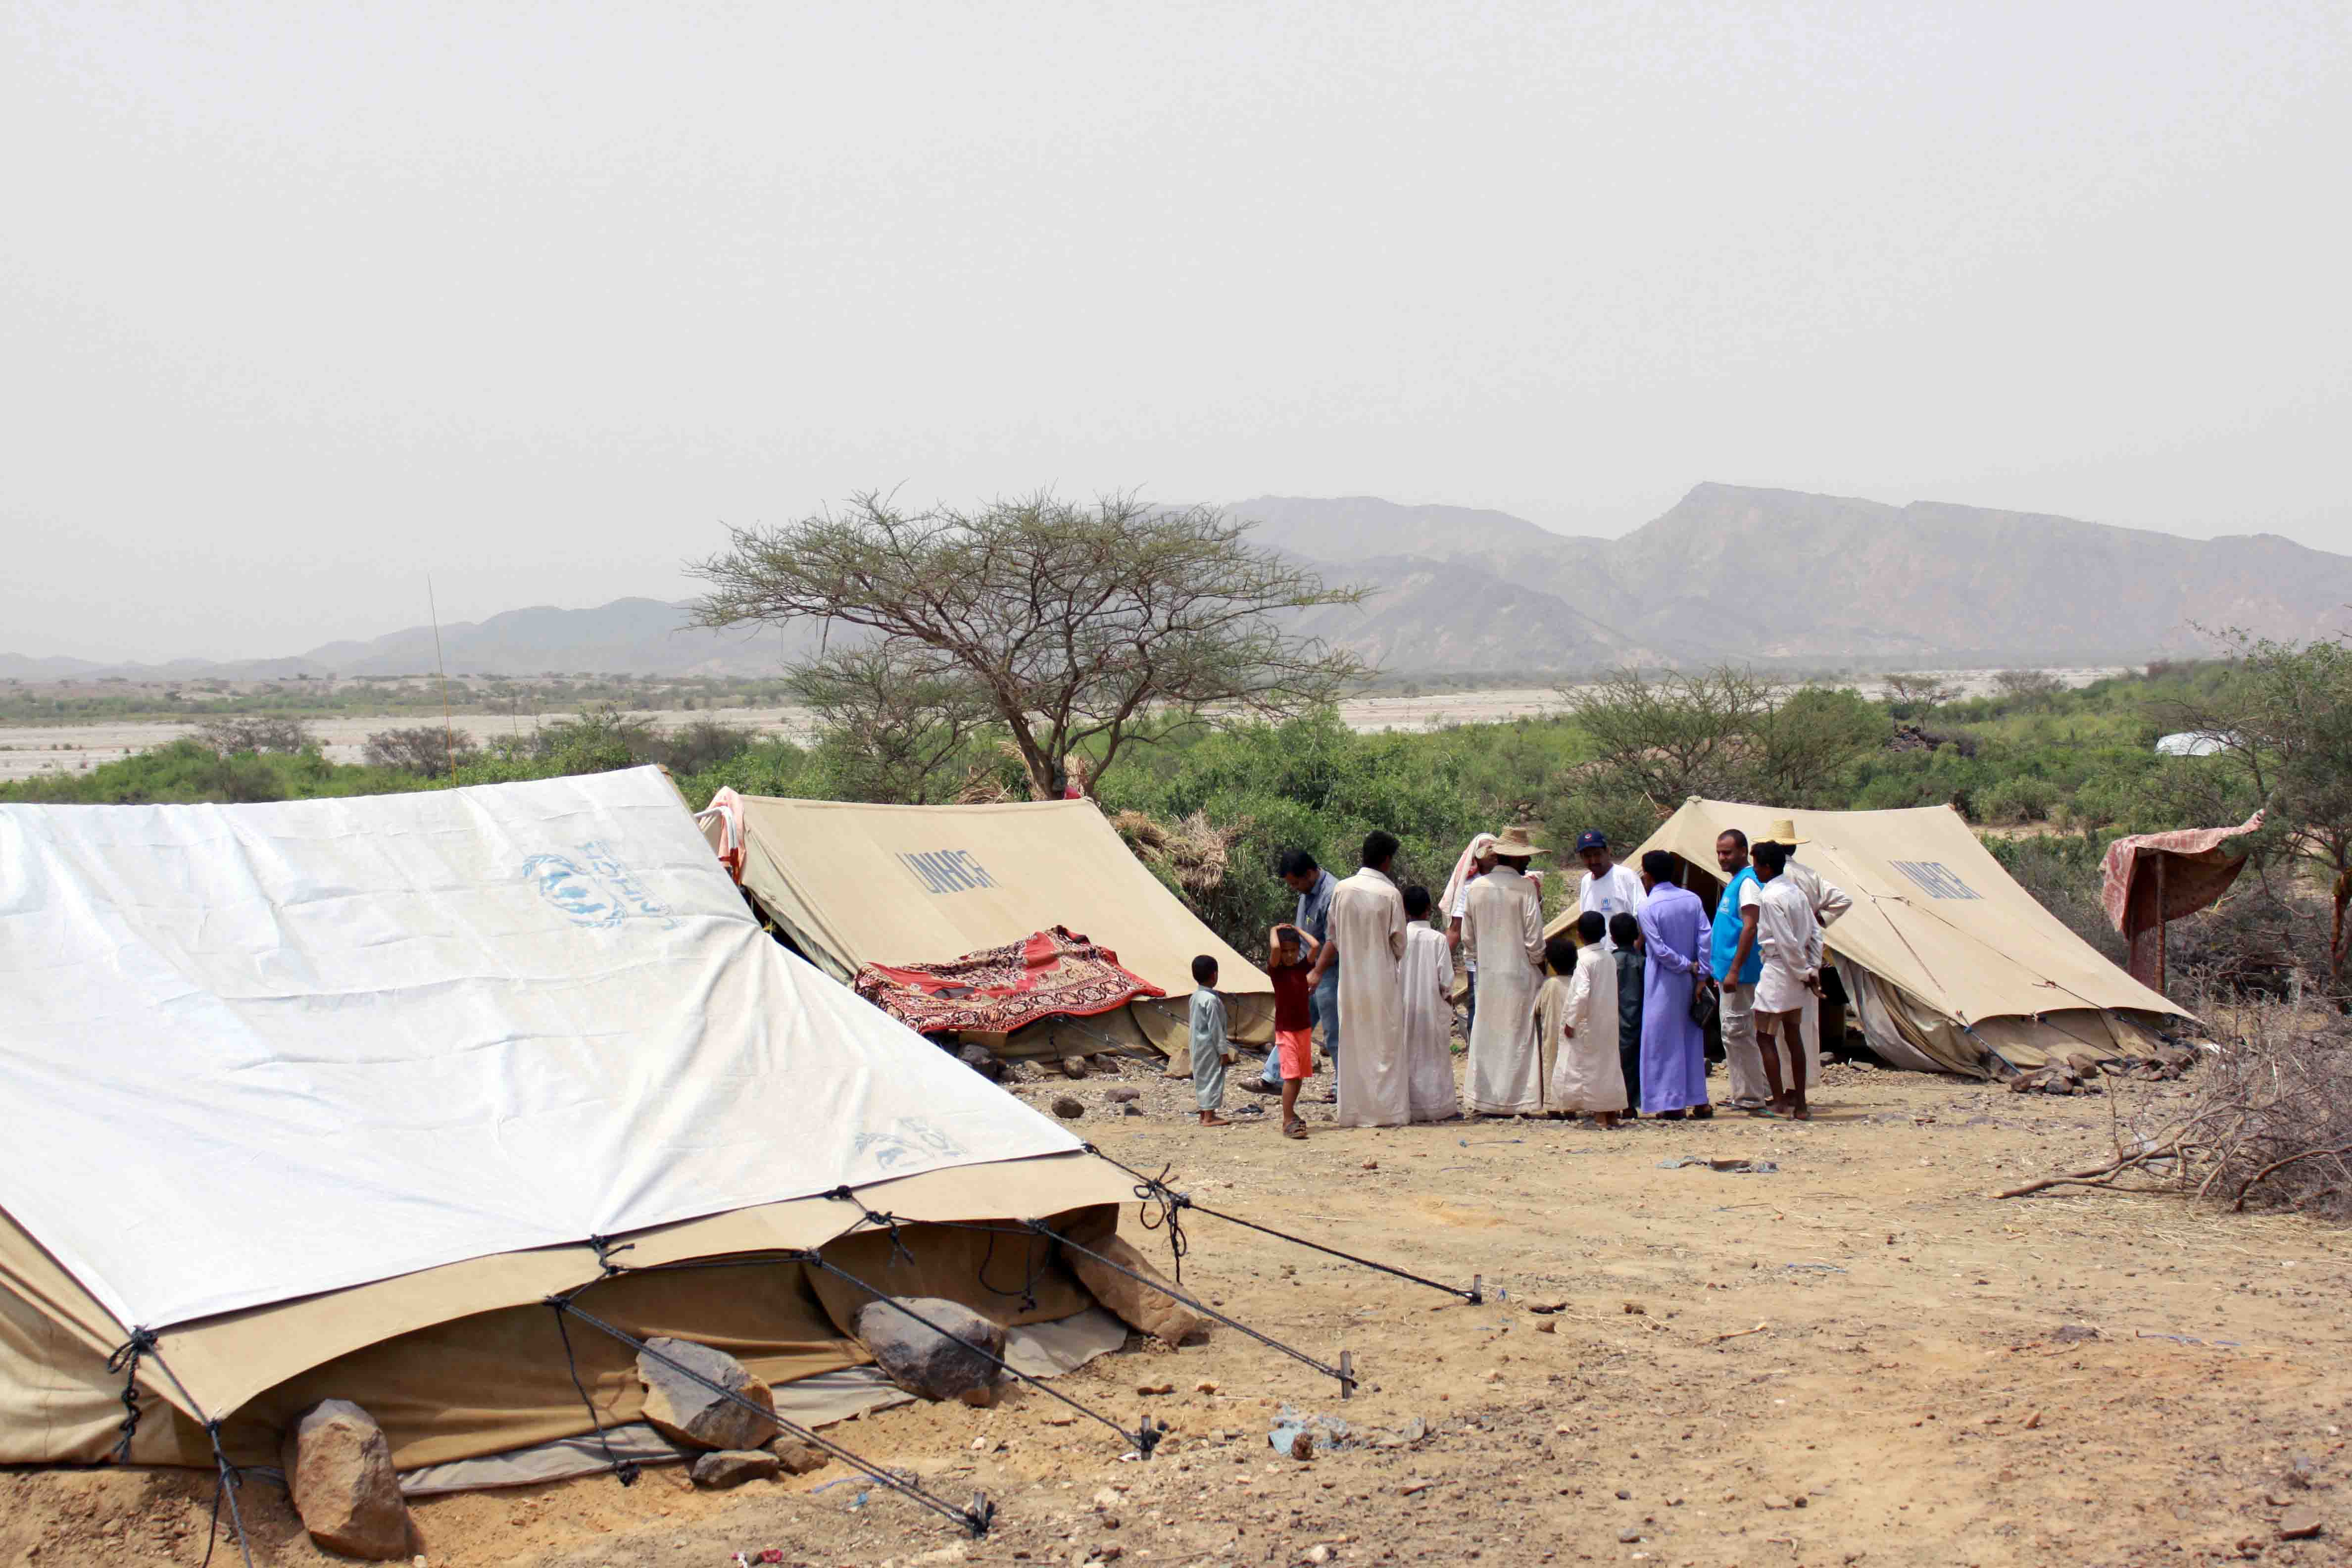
(1360, 958)
(1607, 1017)
(1620, 1024)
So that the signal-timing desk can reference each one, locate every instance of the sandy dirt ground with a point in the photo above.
(32, 749)
(1859, 1358)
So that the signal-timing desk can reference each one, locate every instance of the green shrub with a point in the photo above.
(2022, 797)
(188, 770)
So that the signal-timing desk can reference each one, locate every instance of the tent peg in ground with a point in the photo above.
(1346, 1375)
(1477, 1290)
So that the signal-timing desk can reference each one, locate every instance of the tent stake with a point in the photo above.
(1346, 1375)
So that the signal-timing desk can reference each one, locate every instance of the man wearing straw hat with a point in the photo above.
(1502, 931)
(1829, 901)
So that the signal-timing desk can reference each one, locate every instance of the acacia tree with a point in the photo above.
(895, 734)
(1807, 739)
(1079, 625)
(1919, 695)
(1726, 732)
(1678, 735)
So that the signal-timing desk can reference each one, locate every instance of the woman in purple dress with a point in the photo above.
(1675, 936)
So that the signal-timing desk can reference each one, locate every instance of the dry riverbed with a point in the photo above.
(26, 750)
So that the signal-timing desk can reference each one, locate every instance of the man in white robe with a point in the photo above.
(1428, 1013)
(1829, 903)
(1502, 929)
(1367, 946)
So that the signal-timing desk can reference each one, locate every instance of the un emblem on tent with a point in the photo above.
(600, 893)
(910, 1139)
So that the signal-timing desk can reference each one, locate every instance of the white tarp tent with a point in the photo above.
(397, 1049)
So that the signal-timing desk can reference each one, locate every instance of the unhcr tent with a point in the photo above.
(331, 1096)
(851, 885)
(1951, 965)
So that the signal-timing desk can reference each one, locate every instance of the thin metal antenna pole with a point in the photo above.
(448, 732)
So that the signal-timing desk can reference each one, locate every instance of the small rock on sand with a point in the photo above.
(797, 1457)
(2298, 1523)
(732, 1467)
(1068, 1109)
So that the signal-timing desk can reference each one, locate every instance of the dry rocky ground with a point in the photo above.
(1932, 1377)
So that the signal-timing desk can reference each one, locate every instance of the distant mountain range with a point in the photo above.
(1728, 572)
(1779, 575)
(628, 636)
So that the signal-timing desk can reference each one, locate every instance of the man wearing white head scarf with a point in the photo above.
(1476, 860)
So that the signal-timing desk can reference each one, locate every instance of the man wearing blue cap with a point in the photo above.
(1607, 888)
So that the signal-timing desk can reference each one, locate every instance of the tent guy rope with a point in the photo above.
(1155, 1189)
(226, 1478)
(1343, 1373)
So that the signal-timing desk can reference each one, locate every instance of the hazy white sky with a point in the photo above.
(299, 302)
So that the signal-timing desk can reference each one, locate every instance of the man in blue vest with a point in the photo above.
(1737, 966)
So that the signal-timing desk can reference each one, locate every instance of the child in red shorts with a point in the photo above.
(1292, 954)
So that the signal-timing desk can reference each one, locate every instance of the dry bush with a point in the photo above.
(2270, 1122)
(235, 734)
(2259, 940)
(425, 751)
(2263, 1122)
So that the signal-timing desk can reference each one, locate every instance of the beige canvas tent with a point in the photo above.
(330, 1097)
(853, 884)
(1952, 966)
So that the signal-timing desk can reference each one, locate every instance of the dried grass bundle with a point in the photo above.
(1195, 851)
